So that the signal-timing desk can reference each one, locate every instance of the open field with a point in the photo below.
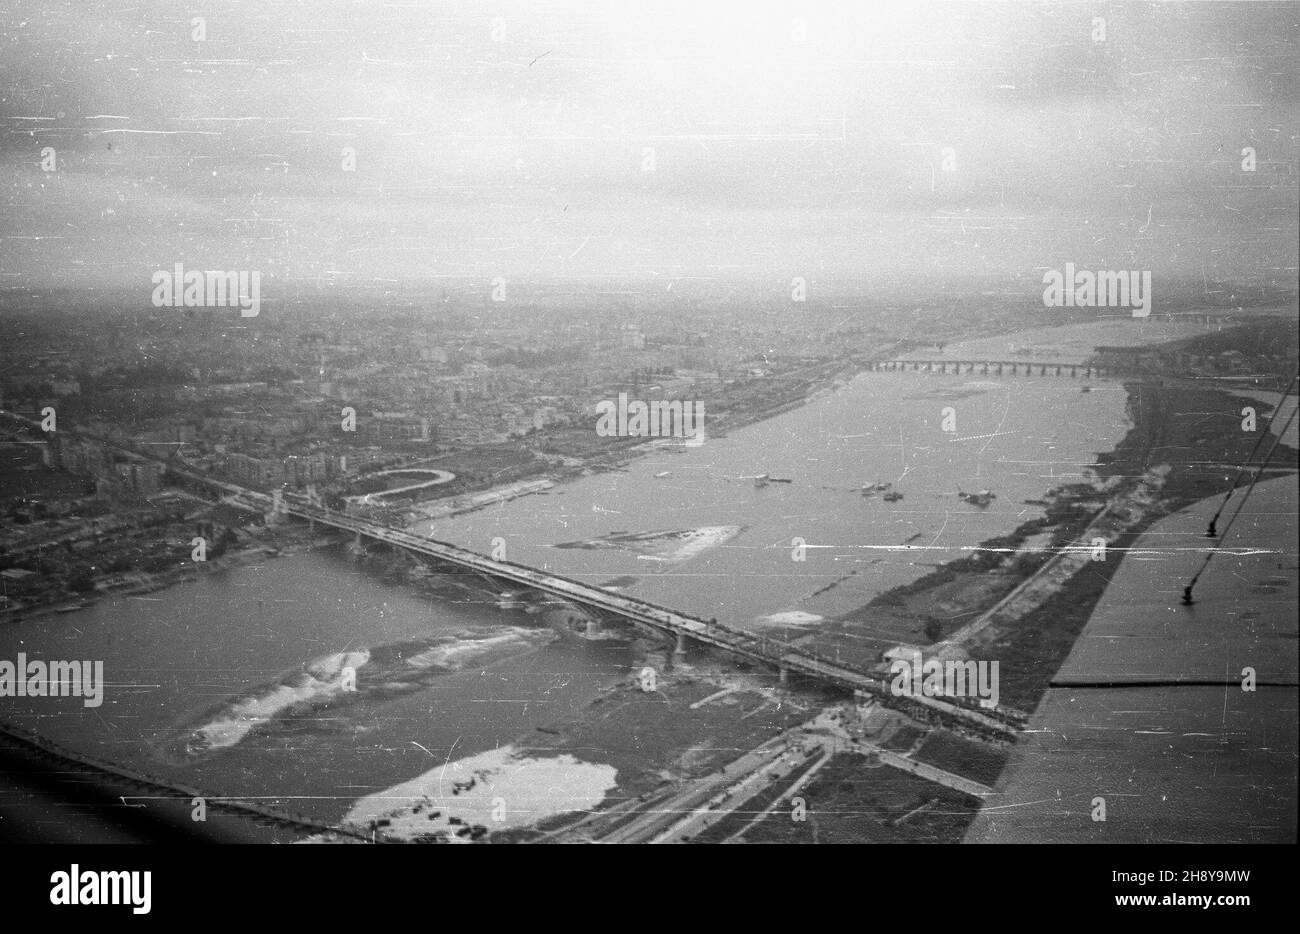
(964, 757)
(850, 801)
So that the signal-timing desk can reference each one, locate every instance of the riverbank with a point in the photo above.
(1184, 448)
(58, 795)
(650, 736)
(541, 473)
(248, 550)
(331, 687)
(1195, 433)
(1184, 445)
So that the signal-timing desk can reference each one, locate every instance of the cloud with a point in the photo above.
(501, 137)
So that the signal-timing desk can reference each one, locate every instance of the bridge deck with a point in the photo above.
(772, 652)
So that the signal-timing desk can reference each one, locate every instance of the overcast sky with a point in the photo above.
(789, 139)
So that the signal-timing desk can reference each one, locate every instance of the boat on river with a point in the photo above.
(981, 499)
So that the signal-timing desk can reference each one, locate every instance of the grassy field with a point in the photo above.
(967, 758)
(849, 801)
(903, 739)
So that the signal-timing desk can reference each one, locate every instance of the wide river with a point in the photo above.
(1017, 437)
(208, 659)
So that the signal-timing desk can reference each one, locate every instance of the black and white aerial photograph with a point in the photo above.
(715, 422)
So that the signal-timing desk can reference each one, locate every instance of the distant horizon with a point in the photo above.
(823, 293)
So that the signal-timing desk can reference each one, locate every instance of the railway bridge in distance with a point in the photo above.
(997, 368)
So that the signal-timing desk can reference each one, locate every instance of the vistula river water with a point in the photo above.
(1017, 437)
(231, 647)
(191, 670)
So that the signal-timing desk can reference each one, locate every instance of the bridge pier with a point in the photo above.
(783, 675)
(593, 627)
(679, 650)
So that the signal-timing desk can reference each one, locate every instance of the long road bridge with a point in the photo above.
(998, 368)
(785, 658)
